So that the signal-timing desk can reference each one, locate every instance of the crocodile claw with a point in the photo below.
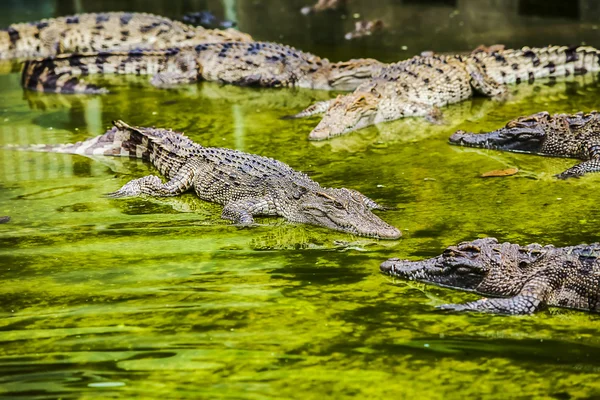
(452, 307)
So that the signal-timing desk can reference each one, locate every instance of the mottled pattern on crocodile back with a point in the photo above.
(433, 81)
(261, 64)
(247, 64)
(530, 63)
(578, 269)
(254, 165)
(96, 32)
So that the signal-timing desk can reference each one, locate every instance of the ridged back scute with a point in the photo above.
(165, 149)
(256, 166)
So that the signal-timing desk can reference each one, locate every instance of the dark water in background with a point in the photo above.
(142, 298)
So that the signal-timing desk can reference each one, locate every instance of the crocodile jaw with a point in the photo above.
(524, 134)
(343, 210)
(465, 266)
(346, 114)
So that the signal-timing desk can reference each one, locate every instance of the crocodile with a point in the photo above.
(559, 135)
(245, 184)
(420, 85)
(246, 64)
(95, 32)
(524, 279)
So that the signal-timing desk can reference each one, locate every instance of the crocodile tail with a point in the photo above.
(319, 107)
(8, 40)
(166, 149)
(530, 63)
(60, 74)
(24, 41)
(41, 75)
(121, 140)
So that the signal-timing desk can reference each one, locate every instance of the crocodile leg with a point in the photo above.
(591, 165)
(241, 211)
(393, 110)
(511, 306)
(581, 169)
(319, 107)
(171, 79)
(153, 186)
(532, 297)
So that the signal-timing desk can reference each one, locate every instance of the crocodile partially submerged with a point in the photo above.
(247, 64)
(559, 135)
(422, 84)
(96, 32)
(246, 184)
(527, 278)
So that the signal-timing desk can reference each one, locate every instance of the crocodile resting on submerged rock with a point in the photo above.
(418, 86)
(95, 32)
(246, 184)
(560, 135)
(527, 277)
(246, 64)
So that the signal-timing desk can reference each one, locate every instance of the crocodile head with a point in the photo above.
(346, 114)
(524, 134)
(483, 265)
(343, 210)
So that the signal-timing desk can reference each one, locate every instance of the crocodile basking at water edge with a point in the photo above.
(418, 86)
(527, 278)
(104, 31)
(560, 135)
(246, 184)
(245, 64)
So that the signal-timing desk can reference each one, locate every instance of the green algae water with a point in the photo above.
(160, 298)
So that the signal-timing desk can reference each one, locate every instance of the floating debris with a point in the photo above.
(323, 5)
(500, 173)
(365, 28)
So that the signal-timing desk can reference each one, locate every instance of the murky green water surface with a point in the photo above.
(144, 298)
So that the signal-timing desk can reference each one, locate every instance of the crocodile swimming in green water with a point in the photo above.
(95, 32)
(559, 135)
(246, 184)
(422, 84)
(246, 64)
(526, 278)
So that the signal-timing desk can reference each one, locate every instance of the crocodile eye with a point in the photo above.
(448, 253)
(470, 248)
(338, 205)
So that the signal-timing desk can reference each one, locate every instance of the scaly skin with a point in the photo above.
(560, 135)
(96, 32)
(246, 64)
(418, 86)
(528, 278)
(246, 184)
